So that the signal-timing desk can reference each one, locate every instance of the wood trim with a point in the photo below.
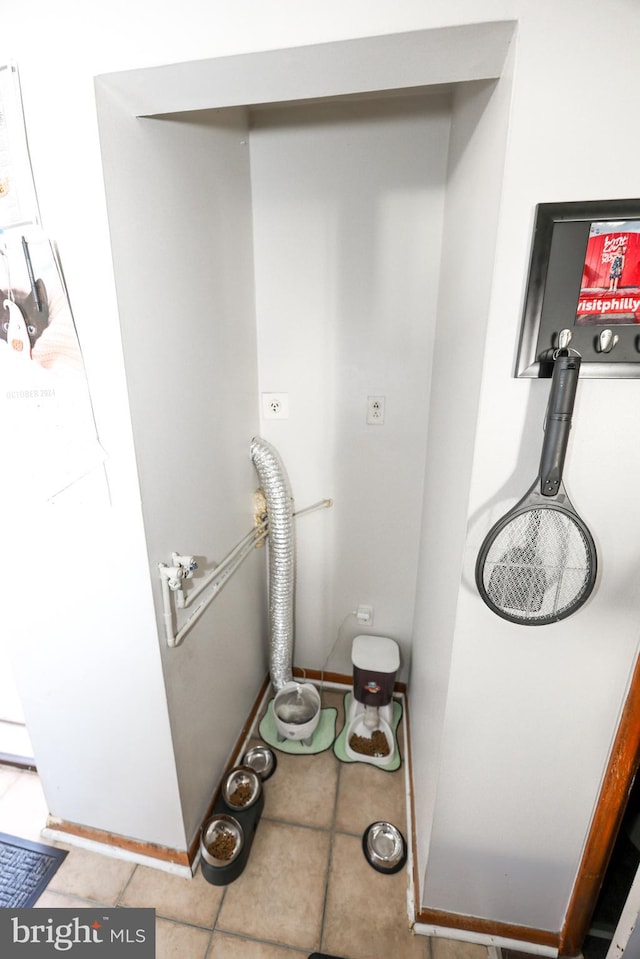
(318, 676)
(233, 761)
(162, 853)
(488, 927)
(150, 850)
(614, 794)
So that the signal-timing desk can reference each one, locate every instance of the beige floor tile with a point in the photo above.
(335, 698)
(24, 809)
(237, 947)
(366, 794)
(173, 897)
(279, 895)
(176, 941)
(453, 949)
(91, 875)
(275, 909)
(58, 900)
(366, 913)
(302, 789)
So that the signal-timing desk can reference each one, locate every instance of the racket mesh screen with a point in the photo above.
(538, 567)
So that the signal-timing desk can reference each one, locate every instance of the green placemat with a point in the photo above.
(323, 736)
(339, 745)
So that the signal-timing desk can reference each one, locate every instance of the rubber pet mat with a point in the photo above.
(339, 745)
(26, 869)
(323, 735)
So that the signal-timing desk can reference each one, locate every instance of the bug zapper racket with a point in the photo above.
(538, 563)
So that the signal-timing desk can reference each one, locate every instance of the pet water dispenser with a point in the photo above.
(296, 709)
(370, 737)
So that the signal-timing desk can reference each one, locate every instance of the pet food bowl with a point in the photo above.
(222, 835)
(384, 847)
(262, 760)
(296, 710)
(357, 727)
(241, 787)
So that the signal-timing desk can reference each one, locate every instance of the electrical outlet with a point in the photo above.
(364, 615)
(275, 406)
(375, 410)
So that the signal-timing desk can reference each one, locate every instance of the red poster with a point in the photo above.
(610, 288)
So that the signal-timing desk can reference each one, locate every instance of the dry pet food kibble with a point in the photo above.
(241, 795)
(223, 845)
(376, 746)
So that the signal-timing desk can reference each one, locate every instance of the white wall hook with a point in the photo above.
(564, 338)
(606, 341)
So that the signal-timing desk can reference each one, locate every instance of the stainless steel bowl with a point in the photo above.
(225, 831)
(261, 759)
(384, 847)
(241, 787)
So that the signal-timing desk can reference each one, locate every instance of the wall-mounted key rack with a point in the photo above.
(584, 289)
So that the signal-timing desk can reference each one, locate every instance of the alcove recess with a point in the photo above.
(300, 217)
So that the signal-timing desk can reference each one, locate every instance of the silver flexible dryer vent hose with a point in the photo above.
(277, 492)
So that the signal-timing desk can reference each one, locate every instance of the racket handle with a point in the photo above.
(564, 384)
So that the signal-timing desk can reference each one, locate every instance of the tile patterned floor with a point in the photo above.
(306, 886)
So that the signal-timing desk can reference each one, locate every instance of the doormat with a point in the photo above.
(322, 739)
(26, 869)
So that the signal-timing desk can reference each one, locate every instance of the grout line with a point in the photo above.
(339, 831)
(217, 918)
(62, 894)
(210, 942)
(332, 835)
(294, 824)
(263, 942)
(126, 885)
(180, 922)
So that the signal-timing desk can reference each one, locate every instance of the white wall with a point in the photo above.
(530, 713)
(348, 204)
(479, 124)
(184, 272)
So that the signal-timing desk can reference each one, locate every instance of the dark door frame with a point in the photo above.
(619, 776)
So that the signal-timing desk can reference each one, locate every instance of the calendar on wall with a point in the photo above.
(47, 430)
